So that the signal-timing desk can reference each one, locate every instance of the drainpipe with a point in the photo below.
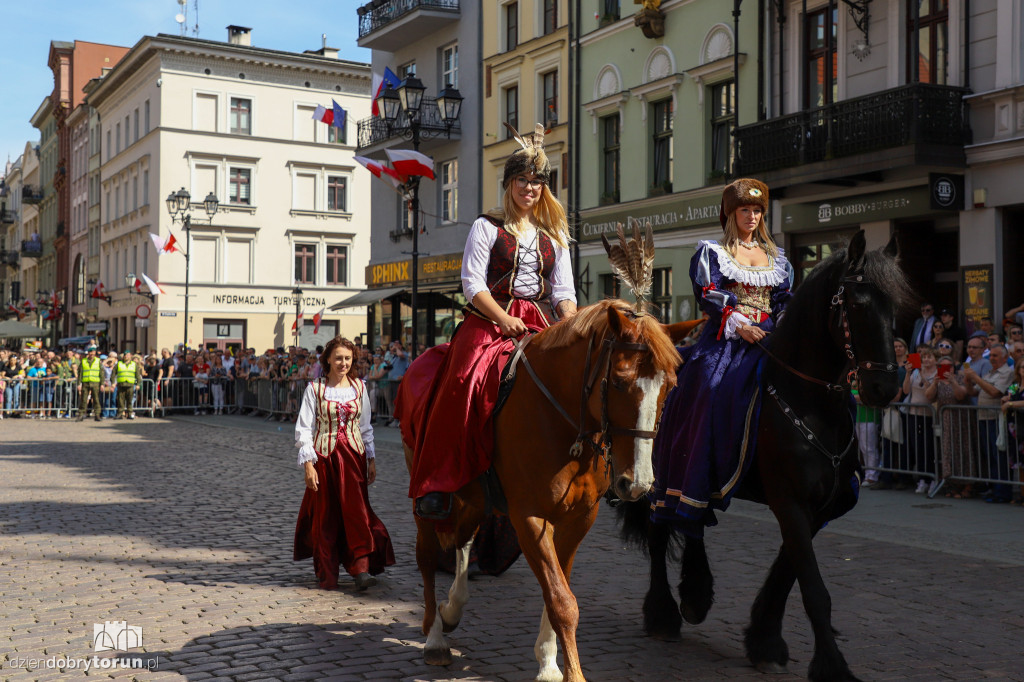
(761, 115)
(574, 131)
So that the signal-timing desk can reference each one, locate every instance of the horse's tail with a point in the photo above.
(634, 520)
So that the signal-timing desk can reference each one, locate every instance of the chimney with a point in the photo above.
(239, 35)
(329, 52)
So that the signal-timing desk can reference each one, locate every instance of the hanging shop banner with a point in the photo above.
(975, 294)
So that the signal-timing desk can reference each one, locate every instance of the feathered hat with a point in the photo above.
(743, 192)
(530, 159)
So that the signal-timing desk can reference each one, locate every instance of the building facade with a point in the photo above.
(291, 234)
(656, 116)
(438, 42)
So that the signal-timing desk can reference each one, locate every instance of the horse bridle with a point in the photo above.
(591, 371)
(853, 367)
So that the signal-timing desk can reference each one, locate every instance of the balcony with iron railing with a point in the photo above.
(31, 248)
(8, 217)
(374, 131)
(912, 124)
(9, 258)
(386, 24)
(31, 194)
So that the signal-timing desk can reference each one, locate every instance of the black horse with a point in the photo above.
(839, 320)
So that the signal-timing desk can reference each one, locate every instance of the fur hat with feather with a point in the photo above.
(743, 192)
(530, 159)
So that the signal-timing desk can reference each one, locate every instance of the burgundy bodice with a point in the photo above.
(505, 261)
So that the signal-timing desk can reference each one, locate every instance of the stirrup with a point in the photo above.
(433, 506)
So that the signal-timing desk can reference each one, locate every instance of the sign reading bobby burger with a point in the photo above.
(676, 212)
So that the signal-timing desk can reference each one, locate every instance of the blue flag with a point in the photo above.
(339, 116)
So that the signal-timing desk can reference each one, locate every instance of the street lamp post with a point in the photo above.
(409, 97)
(179, 205)
(297, 293)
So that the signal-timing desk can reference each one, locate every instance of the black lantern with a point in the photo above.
(388, 104)
(449, 103)
(184, 199)
(211, 203)
(410, 92)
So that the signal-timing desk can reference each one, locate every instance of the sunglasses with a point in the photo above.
(945, 345)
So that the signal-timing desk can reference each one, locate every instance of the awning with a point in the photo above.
(366, 297)
(76, 341)
(13, 329)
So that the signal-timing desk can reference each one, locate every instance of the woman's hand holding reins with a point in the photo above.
(751, 333)
(511, 326)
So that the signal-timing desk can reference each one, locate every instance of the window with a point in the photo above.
(661, 176)
(407, 70)
(723, 98)
(305, 192)
(932, 44)
(336, 259)
(135, 193)
(609, 285)
(337, 135)
(239, 186)
(118, 136)
(405, 213)
(336, 195)
(820, 88)
(550, 16)
(553, 182)
(127, 132)
(135, 121)
(117, 202)
(145, 121)
(145, 187)
(240, 122)
(450, 66)
(108, 205)
(661, 293)
(550, 96)
(511, 25)
(108, 144)
(205, 112)
(612, 11)
(450, 191)
(511, 108)
(610, 159)
(305, 263)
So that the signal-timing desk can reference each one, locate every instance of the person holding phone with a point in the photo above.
(920, 423)
(955, 444)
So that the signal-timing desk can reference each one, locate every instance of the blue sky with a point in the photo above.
(26, 30)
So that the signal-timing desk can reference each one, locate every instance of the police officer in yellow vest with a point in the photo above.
(90, 376)
(129, 372)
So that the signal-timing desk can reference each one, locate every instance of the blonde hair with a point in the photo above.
(548, 211)
(761, 235)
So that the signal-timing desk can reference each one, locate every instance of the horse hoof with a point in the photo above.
(437, 656)
(691, 615)
(771, 668)
(552, 674)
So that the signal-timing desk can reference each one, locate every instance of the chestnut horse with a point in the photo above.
(581, 416)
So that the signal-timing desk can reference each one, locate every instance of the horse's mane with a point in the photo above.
(881, 270)
(593, 319)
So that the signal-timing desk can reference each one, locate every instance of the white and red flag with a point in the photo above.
(409, 162)
(154, 288)
(164, 245)
(378, 83)
(323, 114)
(16, 310)
(316, 320)
(29, 304)
(297, 322)
(98, 291)
(382, 171)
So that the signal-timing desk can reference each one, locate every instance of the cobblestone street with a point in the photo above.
(184, 528)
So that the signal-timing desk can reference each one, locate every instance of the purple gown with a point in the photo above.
(709, 425)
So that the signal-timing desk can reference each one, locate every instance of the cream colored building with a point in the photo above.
(235, 120)
(525, 81)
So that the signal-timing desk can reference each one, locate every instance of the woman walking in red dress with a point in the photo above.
(336, 525)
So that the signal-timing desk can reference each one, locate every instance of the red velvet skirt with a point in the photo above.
(447, 402)
(336, 525)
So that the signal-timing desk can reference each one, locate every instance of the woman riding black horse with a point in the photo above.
(805, 462)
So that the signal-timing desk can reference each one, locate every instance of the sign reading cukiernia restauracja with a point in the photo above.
(675, 211)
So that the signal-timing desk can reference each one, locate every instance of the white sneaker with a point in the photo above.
(922, 487)
(195, 412)
(932, 487)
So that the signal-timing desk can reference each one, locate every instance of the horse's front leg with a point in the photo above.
(437, 651)
(766, 649)
(828, 663)
(697, 584)
(661, 614)
(551, 560)
(458, 594)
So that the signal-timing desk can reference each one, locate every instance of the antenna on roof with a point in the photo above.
(195, 26)
(182, 16)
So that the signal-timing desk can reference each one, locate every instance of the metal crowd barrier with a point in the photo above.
(957, 443)
(53, 398)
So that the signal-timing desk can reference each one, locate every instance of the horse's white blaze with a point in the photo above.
(546, 651)
(458, 593)
(643, 469)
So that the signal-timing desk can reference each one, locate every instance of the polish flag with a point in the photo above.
(378, 83)
(164, 245)
(98, 291)
(28, 304)
(382, 171)
(316, 320)
(52, 314)
(137, 285)
(297, 321)
(369, 164)
(409, 162)
(153, 287)
(14, 309)
(54, 299)
(323, 114)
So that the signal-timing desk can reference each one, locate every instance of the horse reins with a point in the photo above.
(852, 367)
(591, 371)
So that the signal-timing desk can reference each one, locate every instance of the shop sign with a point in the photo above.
(666, 215)
(248, 300)
(164, 313)
(947, 191)
(95, 326)
(975, 294)
(865, 208)
(431, 269)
